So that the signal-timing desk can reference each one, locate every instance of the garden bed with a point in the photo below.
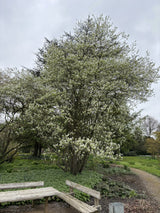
(117, 184)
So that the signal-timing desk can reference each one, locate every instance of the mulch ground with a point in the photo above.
(133, 205)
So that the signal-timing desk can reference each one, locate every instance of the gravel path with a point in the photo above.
(151, 182)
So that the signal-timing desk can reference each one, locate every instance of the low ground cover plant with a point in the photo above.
(114, 189)
(99, 177)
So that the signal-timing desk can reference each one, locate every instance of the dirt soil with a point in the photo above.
(138, 181)
(142, 182)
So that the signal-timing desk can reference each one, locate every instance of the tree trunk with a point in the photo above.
(77, 165)
(37, 150)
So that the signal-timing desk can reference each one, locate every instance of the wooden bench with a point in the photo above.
(21, 185)
(46, 192)
(77, 204)
(27, 194)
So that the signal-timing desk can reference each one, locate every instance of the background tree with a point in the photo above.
(150, 125)
(18, 92)
(135, 143)
(158, 128)
(153, 145)
(29, 132)
(8, 113)
(140, 142)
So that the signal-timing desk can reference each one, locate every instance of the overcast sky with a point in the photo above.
(25, 23)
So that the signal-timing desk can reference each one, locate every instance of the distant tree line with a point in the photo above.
(144, 139)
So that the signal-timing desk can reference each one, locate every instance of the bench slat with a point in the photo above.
(84, 189)
(27, 194)
(77, 204)
(21, 185)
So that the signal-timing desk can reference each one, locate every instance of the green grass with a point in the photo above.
(24, 170)
(145, 163)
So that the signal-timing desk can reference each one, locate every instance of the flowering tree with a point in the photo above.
(91, 77)
(73, 153)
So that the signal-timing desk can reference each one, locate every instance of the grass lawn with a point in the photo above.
(145, 163)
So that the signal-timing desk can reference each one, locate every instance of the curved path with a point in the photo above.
(151, 182)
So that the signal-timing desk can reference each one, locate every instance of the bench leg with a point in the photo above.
(96, 202)
(46, 205)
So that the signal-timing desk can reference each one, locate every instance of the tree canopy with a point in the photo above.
(86, 82)
(91, 77)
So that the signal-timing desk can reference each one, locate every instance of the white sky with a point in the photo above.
(25, 23)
